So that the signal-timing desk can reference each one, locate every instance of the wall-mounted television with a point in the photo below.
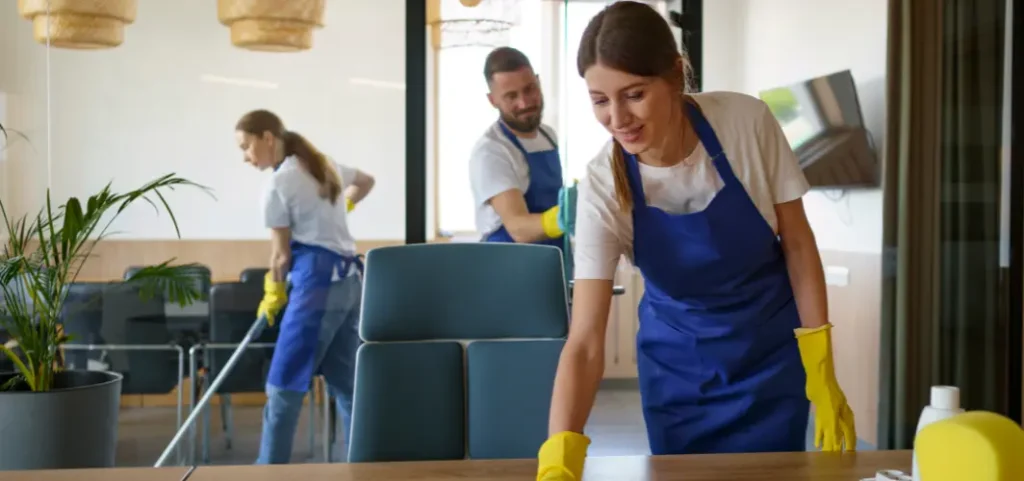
(823, 123)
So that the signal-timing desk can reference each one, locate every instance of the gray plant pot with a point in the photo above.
(72, 426)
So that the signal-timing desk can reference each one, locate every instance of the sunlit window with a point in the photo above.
(549, 34)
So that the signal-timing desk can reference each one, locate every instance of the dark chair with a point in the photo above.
(232, 312)
(200, 273)
(82, 318)
(253, 275)
(420, 394)
(129, 319)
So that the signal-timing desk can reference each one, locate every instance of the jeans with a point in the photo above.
(336, 361)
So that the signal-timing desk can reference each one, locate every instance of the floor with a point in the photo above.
(616, 428)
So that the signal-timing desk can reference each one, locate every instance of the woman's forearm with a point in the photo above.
(360, 187)
(580, 370)
(581, 365)
(807, 278)
(280, 253)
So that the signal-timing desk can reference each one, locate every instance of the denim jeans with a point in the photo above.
(336, 360)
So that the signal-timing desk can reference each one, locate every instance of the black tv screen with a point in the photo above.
(823, 123)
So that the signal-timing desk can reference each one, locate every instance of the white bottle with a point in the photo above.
(944, 404)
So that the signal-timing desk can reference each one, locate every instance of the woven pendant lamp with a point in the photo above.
(79, 24)
(272, 25)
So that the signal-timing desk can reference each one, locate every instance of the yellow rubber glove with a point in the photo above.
(549, 221)
(561, 457)
(349, 205)
(833, 418)
(275, 296)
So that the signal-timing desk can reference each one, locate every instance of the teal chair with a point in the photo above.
(461, 346)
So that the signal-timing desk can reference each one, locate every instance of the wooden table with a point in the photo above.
(115, 474)
(751, 467)
(745, 467)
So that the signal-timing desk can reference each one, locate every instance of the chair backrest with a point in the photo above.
(82, 318)
(130, 271)
(420, 394)
(129, 318)
(203, 278)
(200, 273)
(253, 274)
(232, 311)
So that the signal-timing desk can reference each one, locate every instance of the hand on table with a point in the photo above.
(561, 457)
(833, 419)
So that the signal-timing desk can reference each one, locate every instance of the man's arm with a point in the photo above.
(495, 183)
(523, 226)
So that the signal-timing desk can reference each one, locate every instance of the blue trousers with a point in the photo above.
(336, 361)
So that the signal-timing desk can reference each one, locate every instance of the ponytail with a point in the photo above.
(623, 192)
(315, 163)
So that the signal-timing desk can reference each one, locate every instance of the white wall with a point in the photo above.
(753, 45)
(23, 113)
(160, 104)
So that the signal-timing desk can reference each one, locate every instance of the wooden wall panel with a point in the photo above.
(225, 258)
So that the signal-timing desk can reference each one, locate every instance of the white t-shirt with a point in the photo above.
(496, 165)
(292, 199)
(758, 152)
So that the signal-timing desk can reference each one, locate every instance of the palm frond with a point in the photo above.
(6, 133)
(178, 283)
(44, 254)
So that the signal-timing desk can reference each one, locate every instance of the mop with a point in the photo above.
(254, 332)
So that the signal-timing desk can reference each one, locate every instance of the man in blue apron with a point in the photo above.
(515, 168)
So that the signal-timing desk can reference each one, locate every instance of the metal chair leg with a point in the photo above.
(225, 419)
(312, 418)
(328, 421)
(205, 457)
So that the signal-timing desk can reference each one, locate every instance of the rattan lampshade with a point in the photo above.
(272, 25)
(79, 24)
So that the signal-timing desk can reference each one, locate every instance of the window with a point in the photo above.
(464, 112)
(548, 32)
(796, 110)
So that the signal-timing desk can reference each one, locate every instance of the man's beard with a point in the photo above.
(529, 123)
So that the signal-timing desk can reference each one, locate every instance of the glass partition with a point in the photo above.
(142, 89)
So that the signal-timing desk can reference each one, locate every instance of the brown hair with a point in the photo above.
(632, 37)
(316, 163)
(502, 60)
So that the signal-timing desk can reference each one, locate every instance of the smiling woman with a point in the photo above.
(703, 193)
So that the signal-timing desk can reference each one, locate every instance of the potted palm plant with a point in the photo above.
(52, 417)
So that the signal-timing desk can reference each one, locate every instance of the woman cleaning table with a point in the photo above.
(703, 193)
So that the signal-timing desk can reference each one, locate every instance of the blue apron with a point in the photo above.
(293, 364)
(545, 181)
(719, 366)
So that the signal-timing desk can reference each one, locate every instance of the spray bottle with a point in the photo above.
(944, 404)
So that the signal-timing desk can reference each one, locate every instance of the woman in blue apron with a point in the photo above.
(734, 342)
(306, 206)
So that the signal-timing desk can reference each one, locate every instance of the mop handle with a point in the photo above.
(256, 327)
